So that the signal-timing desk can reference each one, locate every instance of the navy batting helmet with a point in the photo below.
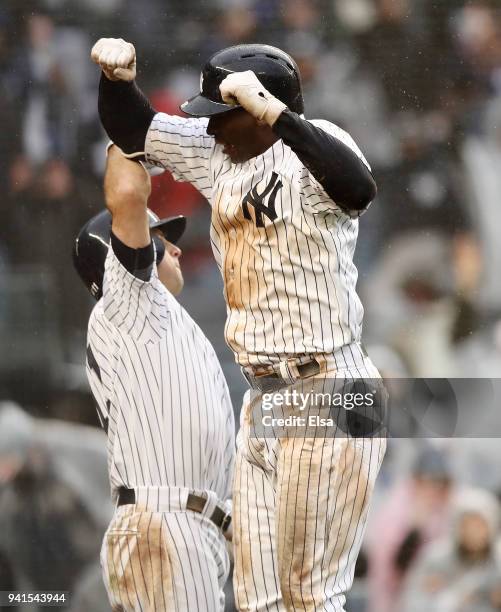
(92, 243)
(276, 70)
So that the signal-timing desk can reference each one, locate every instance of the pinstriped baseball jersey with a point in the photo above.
(283, 246)
(160, 391)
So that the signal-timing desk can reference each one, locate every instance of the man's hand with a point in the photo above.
(244, 88)
(116, 57)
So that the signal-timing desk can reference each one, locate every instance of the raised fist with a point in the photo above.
(116, 57)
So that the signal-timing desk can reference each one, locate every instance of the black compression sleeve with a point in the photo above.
(125, 113)
(138, 262)
(336, 167)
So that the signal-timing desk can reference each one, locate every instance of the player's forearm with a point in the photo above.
(336, 167)
(126, 183)
(126, 190)
(125, 113)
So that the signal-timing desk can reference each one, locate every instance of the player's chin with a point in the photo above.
(173, 280)
(233, 158)
(177, 283)
(236, 156)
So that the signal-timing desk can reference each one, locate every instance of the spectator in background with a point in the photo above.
(479, 355)
(44, 500)
(40, 85)
(47, 205)
(7, 582)
(301, 16)
(469, 69)
(481, 155)
(461, 572)
(416, 512)
(428, 270)
(396, 48)
(9, 111)
(340, 88)
(235, 24)
(51, 97)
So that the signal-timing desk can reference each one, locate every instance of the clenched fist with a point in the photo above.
(244, 88)
(116, 57)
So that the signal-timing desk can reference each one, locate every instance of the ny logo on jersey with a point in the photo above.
(257, 200)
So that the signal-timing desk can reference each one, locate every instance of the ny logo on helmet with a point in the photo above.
(257, 200)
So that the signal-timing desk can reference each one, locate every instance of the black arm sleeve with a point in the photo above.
(139, 262)
(125, 113)
(345, 178)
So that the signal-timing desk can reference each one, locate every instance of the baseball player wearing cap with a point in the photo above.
(164, 403)
(285, 194)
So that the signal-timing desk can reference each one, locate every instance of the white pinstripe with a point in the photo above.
(289, 284)
(169, 560)
(313, 496)
(164, 402)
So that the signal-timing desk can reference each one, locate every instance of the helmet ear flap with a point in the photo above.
(159, 248)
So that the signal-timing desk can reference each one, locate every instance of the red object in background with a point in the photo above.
(169, 197)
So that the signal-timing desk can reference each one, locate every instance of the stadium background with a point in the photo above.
(418, 85)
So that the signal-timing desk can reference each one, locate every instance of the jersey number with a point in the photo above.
(257, 200)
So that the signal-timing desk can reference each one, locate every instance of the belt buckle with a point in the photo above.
(286, 372)
(309, 368)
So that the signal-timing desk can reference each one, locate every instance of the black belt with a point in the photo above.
(274, 379)
(263, 381)
(310, 368)
(195, 503)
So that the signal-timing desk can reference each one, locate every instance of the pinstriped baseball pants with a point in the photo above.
(299, 511)
(163, 561)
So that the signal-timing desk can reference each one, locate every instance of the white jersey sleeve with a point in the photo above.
(183, 147)
(318, 200)
(135, 307)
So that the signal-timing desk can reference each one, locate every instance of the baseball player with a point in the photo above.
(163, 401)
(285, 194)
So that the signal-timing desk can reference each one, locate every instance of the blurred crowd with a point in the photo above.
(418, 85)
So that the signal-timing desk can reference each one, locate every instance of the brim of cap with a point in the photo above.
(200, 106)
(172, 227)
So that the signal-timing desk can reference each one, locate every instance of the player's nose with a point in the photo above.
(215, 124)
(174, 251)
(211, 127)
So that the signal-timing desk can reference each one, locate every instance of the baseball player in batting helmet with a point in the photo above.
(163, 401)
(286, 193)
(93, 241)
(276, 70)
